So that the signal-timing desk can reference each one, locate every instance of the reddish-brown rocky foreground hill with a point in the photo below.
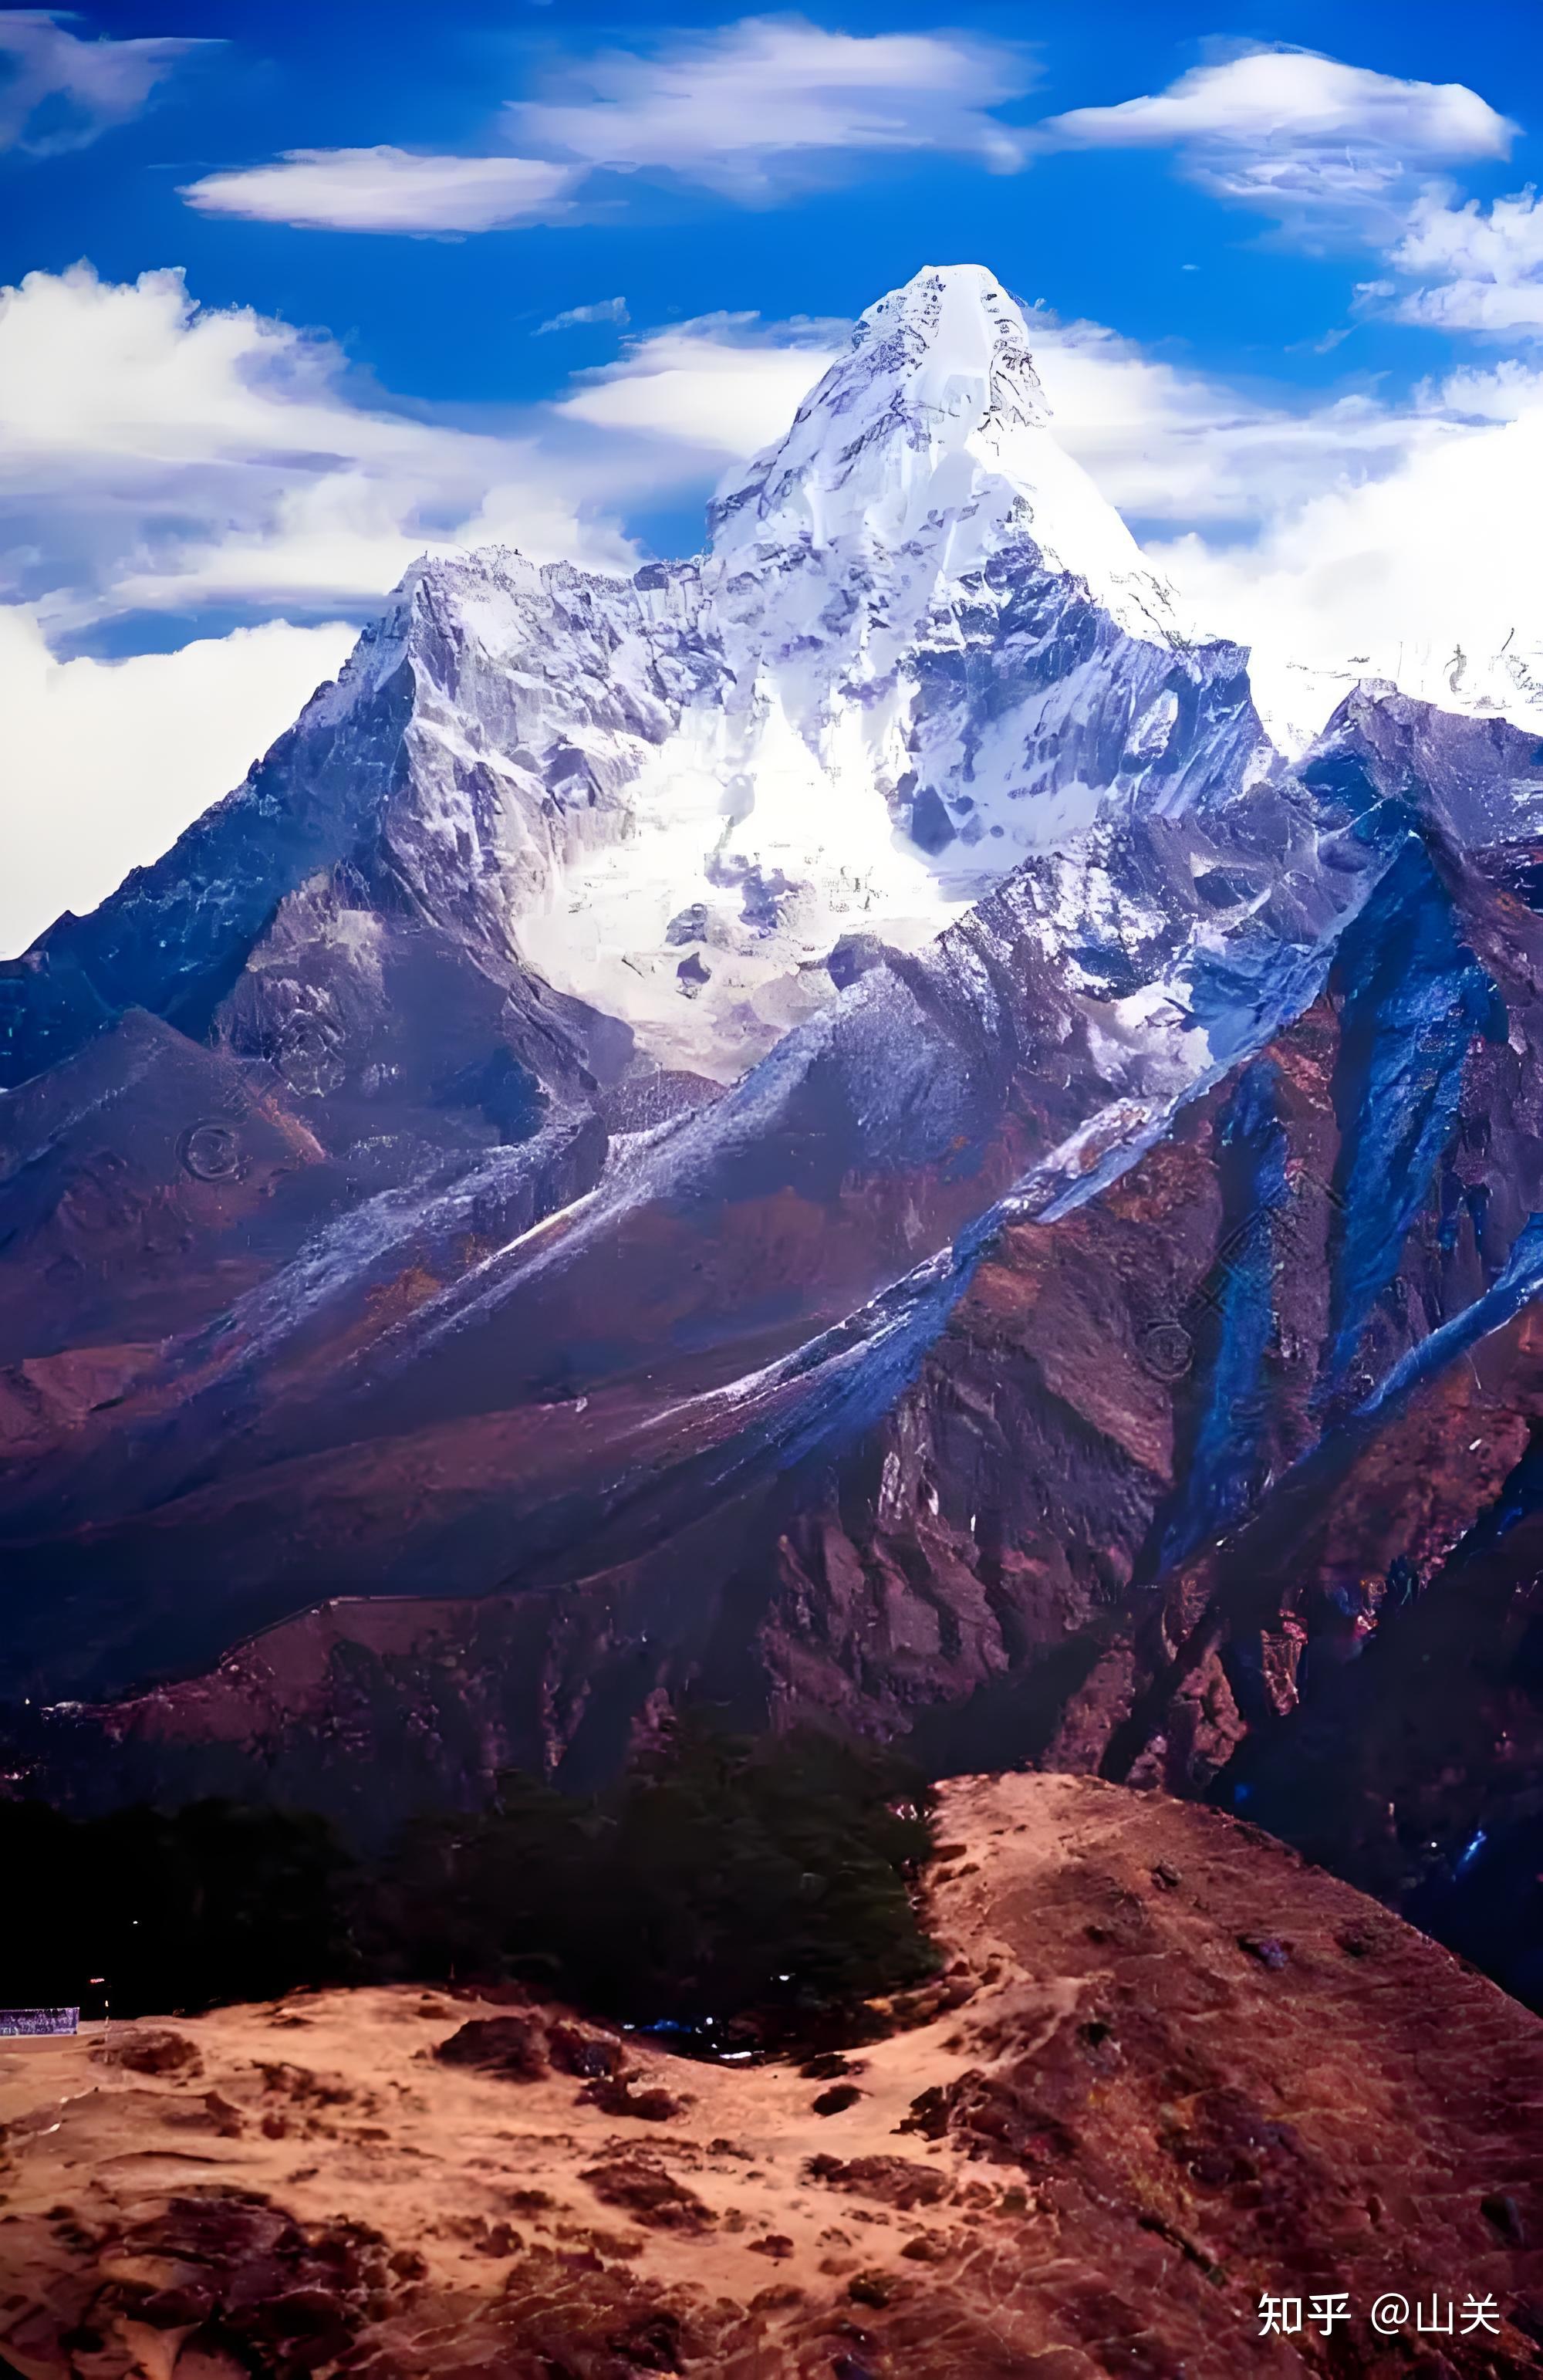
(1175, 2070)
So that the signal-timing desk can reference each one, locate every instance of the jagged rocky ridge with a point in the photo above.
(366, 1239)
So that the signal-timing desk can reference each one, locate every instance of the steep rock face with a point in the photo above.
(991, 1510)
(1160, 1447)
(784, 1257)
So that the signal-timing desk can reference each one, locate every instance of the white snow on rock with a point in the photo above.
(1296, 698)
(918, 647)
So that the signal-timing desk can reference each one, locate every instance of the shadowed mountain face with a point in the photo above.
(830, 1125)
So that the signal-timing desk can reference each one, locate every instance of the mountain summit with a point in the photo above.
(918, 647)
(933, 433)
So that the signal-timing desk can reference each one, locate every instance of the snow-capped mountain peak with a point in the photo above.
(919, 649)
(934, 426)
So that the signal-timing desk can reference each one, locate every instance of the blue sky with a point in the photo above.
(1285, 313)
(1089, 231)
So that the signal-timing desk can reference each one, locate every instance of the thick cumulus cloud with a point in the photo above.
(107, 761)
(1422, 572)
(1170, 445)
(1307, 138)
(390, 190)
(1465, 267)
(156, 456)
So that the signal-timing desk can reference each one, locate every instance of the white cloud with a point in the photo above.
(714, 382)
(157, 456)
(1333, 149)
(746, 109)
(1167, 444)
(59, 92)
(1340, 537)
(573, 318)
(391, 191)
(1423, 571)
(109, 760)
(743, 107)
(1303, 136)
(1478, 270)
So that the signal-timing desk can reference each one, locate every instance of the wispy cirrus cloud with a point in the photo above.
(1342, 153)
(1319, 144)
(577, 318)
(59, 89)
(749, 110)
(390, 190)
(746, 107)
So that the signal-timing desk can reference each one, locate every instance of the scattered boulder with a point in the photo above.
(587, 2054)
(929, 2114)
(894, 2182)
(1503, 2214)
(871, 2288)
(687, 925)
(618, 2096)
(150, 2049)
(513, 2048)
(649, 2195)
(852, 957)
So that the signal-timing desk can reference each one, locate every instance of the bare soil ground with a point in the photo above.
(1170, 2069)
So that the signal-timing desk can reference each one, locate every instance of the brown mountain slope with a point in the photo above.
(1180, 2071)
